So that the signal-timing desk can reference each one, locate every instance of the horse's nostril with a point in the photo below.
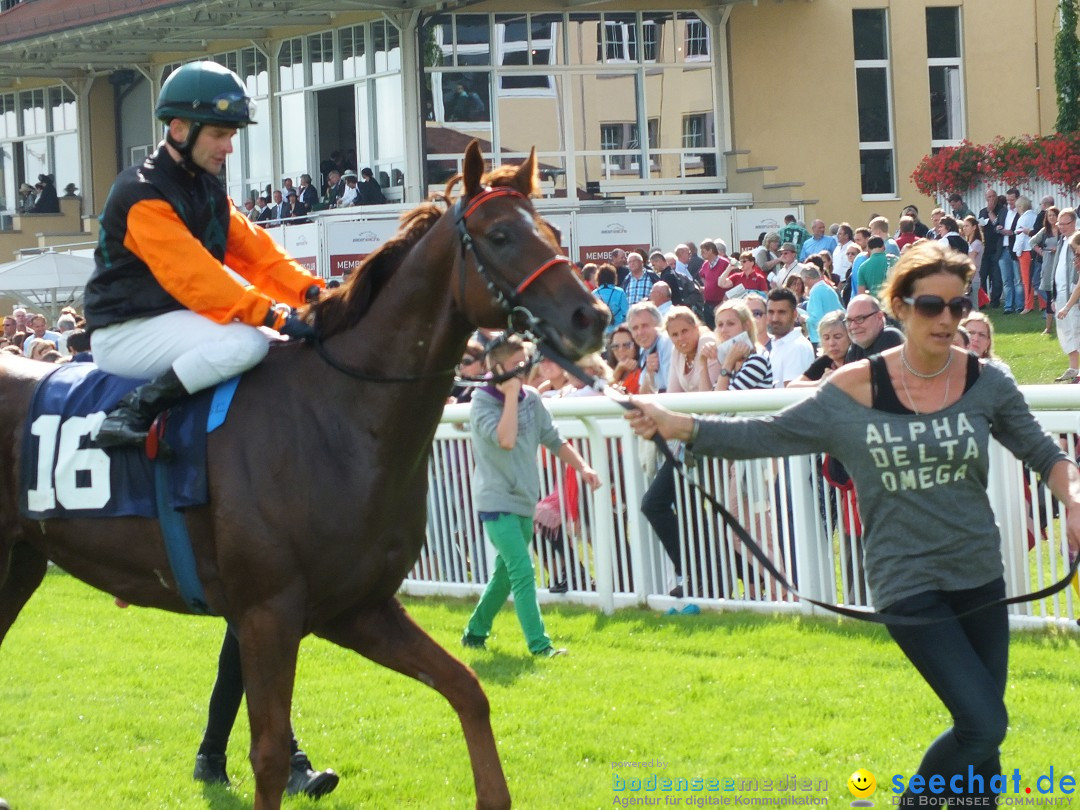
(583, 318)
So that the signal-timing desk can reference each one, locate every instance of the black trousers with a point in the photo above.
(225, 700)
(965, 661)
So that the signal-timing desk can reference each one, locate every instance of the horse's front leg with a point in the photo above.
(269, 643)
(387, 635)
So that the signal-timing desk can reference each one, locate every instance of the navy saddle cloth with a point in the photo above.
(64, 477)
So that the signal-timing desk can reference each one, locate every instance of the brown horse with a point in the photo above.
(318, 479)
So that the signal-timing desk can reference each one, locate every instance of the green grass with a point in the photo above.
(1034, 358)
(103, 708)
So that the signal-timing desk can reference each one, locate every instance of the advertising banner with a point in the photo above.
(349, 242)
(599, 234)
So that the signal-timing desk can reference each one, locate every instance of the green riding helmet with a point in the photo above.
(207, 93)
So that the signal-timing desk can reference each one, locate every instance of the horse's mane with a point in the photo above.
(342, 308)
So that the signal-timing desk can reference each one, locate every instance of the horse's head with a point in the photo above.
(512, 266)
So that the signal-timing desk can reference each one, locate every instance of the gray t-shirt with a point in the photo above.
(509, 480)
(920, 479)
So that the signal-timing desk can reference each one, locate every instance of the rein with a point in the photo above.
(755, 548)
(520, 319)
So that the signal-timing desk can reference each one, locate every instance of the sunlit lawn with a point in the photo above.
(103, 708)
(1034, 358)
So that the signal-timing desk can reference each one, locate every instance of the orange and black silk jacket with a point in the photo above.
(165, 234)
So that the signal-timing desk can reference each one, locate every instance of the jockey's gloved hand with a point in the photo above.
(311, 294)
(297, 328)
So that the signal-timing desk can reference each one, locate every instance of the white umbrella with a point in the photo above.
(46, 280)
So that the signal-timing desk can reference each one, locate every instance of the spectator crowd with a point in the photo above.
(796, 307)
(342, 188)
(31, 335)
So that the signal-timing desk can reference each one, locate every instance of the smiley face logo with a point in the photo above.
(862, 784)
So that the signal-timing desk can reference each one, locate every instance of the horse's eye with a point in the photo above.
(498, 237)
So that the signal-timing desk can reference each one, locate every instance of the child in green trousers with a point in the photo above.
(509, 423)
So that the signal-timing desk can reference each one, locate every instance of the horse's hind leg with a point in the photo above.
(20, 575)
(387, 635)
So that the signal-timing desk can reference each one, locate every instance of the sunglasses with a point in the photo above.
(468, 359)
(930, 306)
(621, 345)
(758, 313)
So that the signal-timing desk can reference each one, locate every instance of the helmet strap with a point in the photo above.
(184, 147)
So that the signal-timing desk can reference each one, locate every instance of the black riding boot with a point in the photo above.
(130, 420)
(303, 779)
(210, 768)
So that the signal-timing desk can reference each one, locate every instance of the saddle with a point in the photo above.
(62, 476)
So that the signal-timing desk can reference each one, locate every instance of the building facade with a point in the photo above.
(821, 106)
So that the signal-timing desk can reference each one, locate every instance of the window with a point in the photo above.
(9, 122)
(520, 44)
(693, 131)
(291, 64)
(622, 138)
(944, 63)
(611, 136)
(619, 42)
(386, 46)
(321, 55)
(587, 89)
(226, 60)
(471, 42)
(37, 136)
(650, 38)
(33, 111)
(353, 63)
(873, 92)
(697, 40)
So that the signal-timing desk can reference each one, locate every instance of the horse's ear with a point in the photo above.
(526, 179)
(473, 169)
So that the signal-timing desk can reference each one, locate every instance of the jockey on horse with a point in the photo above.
(160, 303)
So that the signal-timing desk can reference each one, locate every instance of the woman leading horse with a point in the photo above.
(317, 505)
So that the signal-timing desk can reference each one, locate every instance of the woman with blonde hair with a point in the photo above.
(980, 331)
(1022, 248)
(1043, 245)
(835, 342)
(767, 254)
(743, 364)
(690, 370)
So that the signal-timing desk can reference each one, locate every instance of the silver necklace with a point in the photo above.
(919, 374)
(907, 393)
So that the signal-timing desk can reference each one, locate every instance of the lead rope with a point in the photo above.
(756, 551)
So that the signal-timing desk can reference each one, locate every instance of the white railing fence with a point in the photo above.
(596, 548)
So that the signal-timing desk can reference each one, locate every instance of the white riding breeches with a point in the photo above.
(201, 353)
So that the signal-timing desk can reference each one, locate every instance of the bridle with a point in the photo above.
(509, 298)
(520, 319)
